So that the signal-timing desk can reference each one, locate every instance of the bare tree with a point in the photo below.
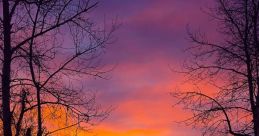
(47, 47)
(231, 65)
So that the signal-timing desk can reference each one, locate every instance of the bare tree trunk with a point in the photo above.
(256, 45)
(39, 133)
(249, 66)
(6, 71)
(28, 132)
(252, 102)
(19, 122)
(37, 86)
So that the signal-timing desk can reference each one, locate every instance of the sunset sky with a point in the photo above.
(150, 40)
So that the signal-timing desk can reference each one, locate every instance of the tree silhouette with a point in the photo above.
(47, 47)
(232, 66)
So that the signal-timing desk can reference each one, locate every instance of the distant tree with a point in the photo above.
(47, 47)
(232, 66)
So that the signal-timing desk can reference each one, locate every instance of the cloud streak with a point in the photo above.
(152, 37)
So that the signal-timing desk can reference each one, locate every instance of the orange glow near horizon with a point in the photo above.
(143, 106)
(150, 41)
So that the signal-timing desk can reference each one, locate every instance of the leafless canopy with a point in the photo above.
(47, 48)
(232, 66)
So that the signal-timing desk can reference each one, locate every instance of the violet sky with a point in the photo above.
(152, 37)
